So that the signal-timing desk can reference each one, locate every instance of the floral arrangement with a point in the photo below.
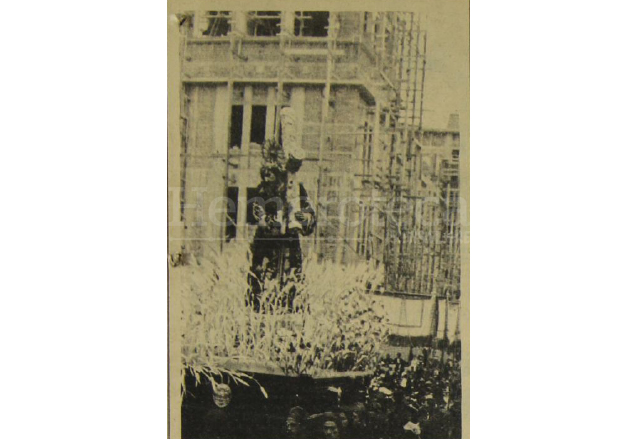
(337, 324)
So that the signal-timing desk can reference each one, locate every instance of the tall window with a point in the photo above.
(311, 24)
(236, 125)
(217, 23)
(258, 124)
(264, 23)
(368, 22)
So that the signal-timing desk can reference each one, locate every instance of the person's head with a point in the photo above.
(343, 419)
(295, 420)
(222, 395)
(331, 427)
(358, 414)
(293, 427)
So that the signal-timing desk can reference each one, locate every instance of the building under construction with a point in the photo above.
(385, 186)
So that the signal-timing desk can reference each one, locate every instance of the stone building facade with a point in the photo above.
(384, 186)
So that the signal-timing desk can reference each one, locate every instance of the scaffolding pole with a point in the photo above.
(325, 108)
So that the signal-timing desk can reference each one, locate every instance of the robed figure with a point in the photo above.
(284, 213)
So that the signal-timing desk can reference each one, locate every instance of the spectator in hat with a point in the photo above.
(326, 425)
(295, 423)
(400, 363)
(359, 424)
(331, 428)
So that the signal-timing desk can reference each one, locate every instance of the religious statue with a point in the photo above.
(284, 213)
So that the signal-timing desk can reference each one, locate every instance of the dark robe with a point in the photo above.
(276, 255)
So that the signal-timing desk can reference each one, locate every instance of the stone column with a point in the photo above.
(239, 24)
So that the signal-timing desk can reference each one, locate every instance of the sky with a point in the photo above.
(447, 71)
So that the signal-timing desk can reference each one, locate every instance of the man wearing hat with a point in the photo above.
(331, 426)
(326, 425)
(295, 423)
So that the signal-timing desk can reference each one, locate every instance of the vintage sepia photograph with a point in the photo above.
(250, 219)
(318, 221)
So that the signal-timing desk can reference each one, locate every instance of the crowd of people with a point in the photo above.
(418, 397)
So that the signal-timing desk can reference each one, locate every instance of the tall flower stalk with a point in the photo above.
(338, 325)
